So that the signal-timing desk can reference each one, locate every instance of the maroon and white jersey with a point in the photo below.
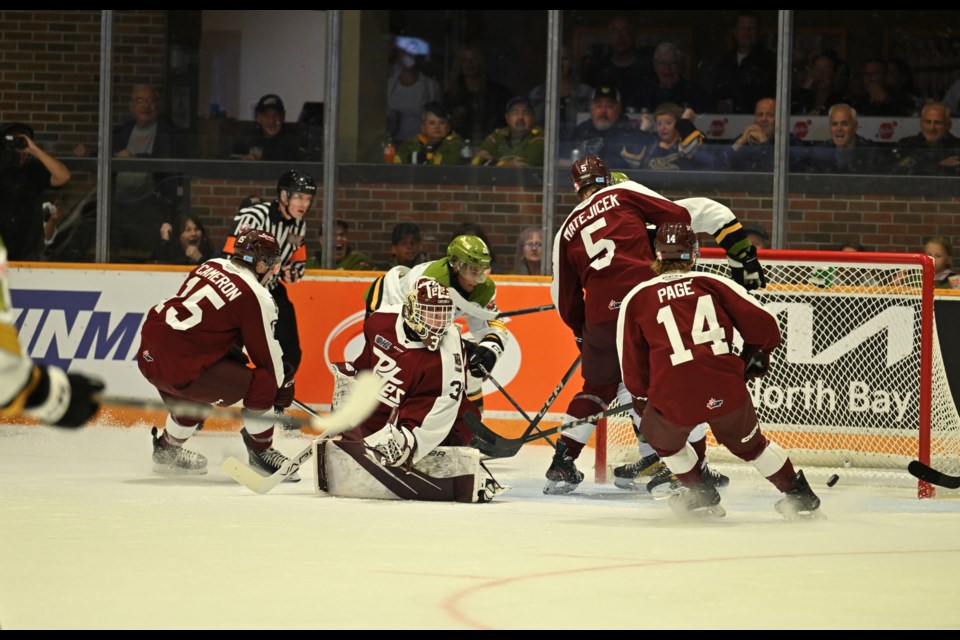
(426, 387)
(602, 249)
(674, 339)
(219, 307)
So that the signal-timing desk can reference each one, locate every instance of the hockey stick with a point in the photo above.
(553, 396)
(533, 423)
(928, 474)
(357, 407)
(499, 447)
(203, 411)
(520, 312)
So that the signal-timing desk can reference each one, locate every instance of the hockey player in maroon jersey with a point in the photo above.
(600, 252)
(675, 335)
(190, 350)
(413, 446)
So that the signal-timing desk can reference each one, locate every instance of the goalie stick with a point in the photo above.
(499, 447)
(928, 474)
(357, 407)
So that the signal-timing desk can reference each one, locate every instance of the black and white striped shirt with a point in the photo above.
(289, 234)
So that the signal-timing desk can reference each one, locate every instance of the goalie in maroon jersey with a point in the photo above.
(675, 336)
(600, 252)
(413, 447)
(190, 350)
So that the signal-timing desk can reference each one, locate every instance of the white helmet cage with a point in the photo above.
(428, 310)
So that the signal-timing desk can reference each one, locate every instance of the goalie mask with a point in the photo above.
(589, 171)
(255, 247)
(676, 241)
(470, 257)
(428, 310)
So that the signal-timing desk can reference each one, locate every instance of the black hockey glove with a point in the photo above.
(481, 360)
(747, 270)
(756, 363)
(64, 399)
(579, 341)
(284, 397)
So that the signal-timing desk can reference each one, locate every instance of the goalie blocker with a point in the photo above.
(446, 474)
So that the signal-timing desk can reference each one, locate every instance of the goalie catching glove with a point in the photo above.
(57, 398)
(391, 446)
(482, 358)
(756, 363)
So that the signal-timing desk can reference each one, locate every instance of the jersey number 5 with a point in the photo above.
(705, 329)
(596, 247)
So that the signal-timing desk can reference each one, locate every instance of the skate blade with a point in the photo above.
(664, 490)
(559, 487)
(799, 516)
(628, 484)
(166, 470)
(703, 513)
(293, 477)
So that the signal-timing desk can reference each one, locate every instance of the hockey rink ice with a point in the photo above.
(91, 538)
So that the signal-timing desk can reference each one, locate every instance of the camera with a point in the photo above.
(9, 146)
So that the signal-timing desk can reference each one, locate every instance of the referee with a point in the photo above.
(283, 218)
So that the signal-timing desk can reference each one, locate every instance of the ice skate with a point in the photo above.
(175, 461)
(718, 480)
(562, 476)
(663, 484)
(799, 503)
(268, 461)
(636, 475)
(701, 501)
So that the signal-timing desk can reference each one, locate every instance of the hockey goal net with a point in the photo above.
(858, 382)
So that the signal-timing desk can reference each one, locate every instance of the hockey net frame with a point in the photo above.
(858, 385)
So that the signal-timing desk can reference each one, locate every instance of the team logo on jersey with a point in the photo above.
(713, 403)
(614, 305)
(382, 342)
(147, 356)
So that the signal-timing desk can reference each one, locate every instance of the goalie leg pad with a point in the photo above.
(446, 474)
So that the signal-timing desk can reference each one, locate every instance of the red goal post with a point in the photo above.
(858, 383)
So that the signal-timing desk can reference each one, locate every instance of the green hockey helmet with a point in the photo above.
(470, 257)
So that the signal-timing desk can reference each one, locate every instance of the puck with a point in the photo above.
(832, 480)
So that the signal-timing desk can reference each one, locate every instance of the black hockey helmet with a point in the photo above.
(254, 246)
(676, 241)
(294, 181)
(589, 171)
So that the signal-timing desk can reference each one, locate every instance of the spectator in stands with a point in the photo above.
(902, 85)
(346, 259)
(933, 151)
(621, 65)
(747, 72)
(519, 144)
(816, 91)
(852, 245)
(436, 143)
(675, 144)
(269, 137)
(144, 204)
(753, 149)
(758, 237)
(876, 97)
(186, 243)
(846, 151)
(27, 173)
(405, 246)
(529, 256)
(475, 99)
(474, 229)
(668, 83)
(408, 87)
(606, 133)
(574, 97)
(952, 98)
(941, 251)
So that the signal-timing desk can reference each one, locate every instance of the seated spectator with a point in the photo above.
(529, 257)
(934, 151)
(26, 175)
(952, 98)
(269, 137)
(436, 143)
(902, 85)
(620, 64)
(668, 149)
(408, 87)
(940, 249)
(668, 83)
(846, 151)
(876, 97)
(475, 99)
(519, 144)
(753, 149)
(405, 248)
(758, 237)
(473, 229)
(144, 202)
(186, 243)
(605, 134)
(574, 97)
(346, 259)
(745, 73)
(817, 90)
(853, 246)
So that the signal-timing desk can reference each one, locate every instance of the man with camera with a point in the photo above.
(26, 172)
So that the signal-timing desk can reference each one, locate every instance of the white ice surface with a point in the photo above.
(91, 538)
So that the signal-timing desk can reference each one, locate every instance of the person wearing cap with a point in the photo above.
(269, 137)
(519, 144)
(436, 143)
(607, 131)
